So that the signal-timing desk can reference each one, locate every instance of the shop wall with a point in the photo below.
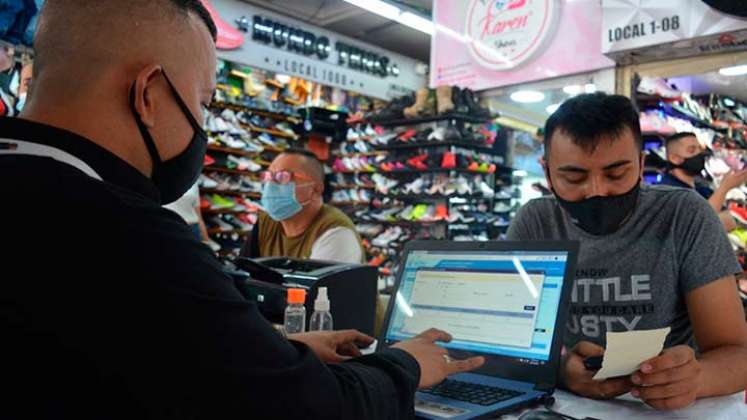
(393, 75)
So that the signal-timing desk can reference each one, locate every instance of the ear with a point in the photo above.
(145, 99)
(546, 169)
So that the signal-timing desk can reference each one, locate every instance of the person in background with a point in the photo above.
(686, 158)
(650, 257)
(296, 222)
(128, 316)
(188, 208)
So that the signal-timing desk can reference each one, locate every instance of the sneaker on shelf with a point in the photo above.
(653, 122)
(415, 187)
(208, 160)
(364, 196)
(267, 139)
(205, 181)
(353, 135)
(369, 131)
(361, 146)
(485, 189)
(384, 139)
(738, 237)
(501, 207)
(406, 213)
(659, 87)
(442, 212)
(463, 186)
(244, 164)
(218, 202)
(284, 127)
(212, 244)
(204, 203)
(220, 223)
(419, 212)
(449, 161)
(739, 213)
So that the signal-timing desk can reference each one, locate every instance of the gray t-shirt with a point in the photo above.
(638, 277)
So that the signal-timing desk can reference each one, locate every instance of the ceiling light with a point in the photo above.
(527, 96)
(590, 88)
(552, 108)
(573, 89)
(379, 7)
(734, 71)
(416, 22)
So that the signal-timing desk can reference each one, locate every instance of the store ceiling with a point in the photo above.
(347, 19)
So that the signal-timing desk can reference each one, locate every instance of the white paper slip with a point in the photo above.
(627, 350)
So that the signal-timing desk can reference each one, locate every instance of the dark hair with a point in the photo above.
(589, 117)
(310, 157)
(679, 136)
(199, 9)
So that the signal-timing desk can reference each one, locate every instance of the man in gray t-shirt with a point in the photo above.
(650, 257)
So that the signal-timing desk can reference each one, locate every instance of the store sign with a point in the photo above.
(504, 34)
(630, 25)
(308, 44)
(284, 45)
(484, 44)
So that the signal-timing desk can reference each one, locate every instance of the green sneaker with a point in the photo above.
(217, 202)
(419, 211)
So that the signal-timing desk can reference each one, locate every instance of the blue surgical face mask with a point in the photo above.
(279, 200)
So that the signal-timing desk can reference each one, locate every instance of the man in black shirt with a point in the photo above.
(109, 308)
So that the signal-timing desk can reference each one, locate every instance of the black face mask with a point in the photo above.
(694, 165)
(174, 177)
(602, 215)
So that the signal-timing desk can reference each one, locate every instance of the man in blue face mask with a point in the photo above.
(651, 257)
(296, 223)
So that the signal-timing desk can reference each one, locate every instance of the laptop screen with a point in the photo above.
(493, 302)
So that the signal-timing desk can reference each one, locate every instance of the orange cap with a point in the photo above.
(296, 296)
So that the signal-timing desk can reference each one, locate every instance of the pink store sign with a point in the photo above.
(484, 44)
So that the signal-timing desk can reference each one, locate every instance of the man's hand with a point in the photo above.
(668, 381)
(434, 362)
(733, 179)
(334, 346)
(579, 380)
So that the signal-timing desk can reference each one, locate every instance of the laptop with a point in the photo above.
(506, 301)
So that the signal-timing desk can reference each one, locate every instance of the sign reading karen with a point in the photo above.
(484, 44)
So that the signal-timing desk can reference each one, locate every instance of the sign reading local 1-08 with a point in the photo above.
(634, 24)
(291, 47)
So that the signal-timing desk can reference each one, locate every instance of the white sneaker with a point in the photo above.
(212, 244)
(206, 182)
(369, 131)
(487, 192)
(462, 186)
(229, 116)
(353, 135)
(437, 134)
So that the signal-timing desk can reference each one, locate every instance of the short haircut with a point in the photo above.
(199, 9)
(588, 118)
(313, 162)
(679, 136)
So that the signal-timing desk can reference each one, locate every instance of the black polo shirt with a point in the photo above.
(668, 179)
(110, 309)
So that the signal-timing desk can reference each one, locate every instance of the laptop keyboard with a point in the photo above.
(471, 393)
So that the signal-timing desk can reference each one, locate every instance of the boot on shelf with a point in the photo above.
(421, 104)
(443, 100)
(474, 106)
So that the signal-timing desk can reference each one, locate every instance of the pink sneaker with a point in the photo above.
(229, 38)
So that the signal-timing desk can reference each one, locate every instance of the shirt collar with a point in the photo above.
(110, 167)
